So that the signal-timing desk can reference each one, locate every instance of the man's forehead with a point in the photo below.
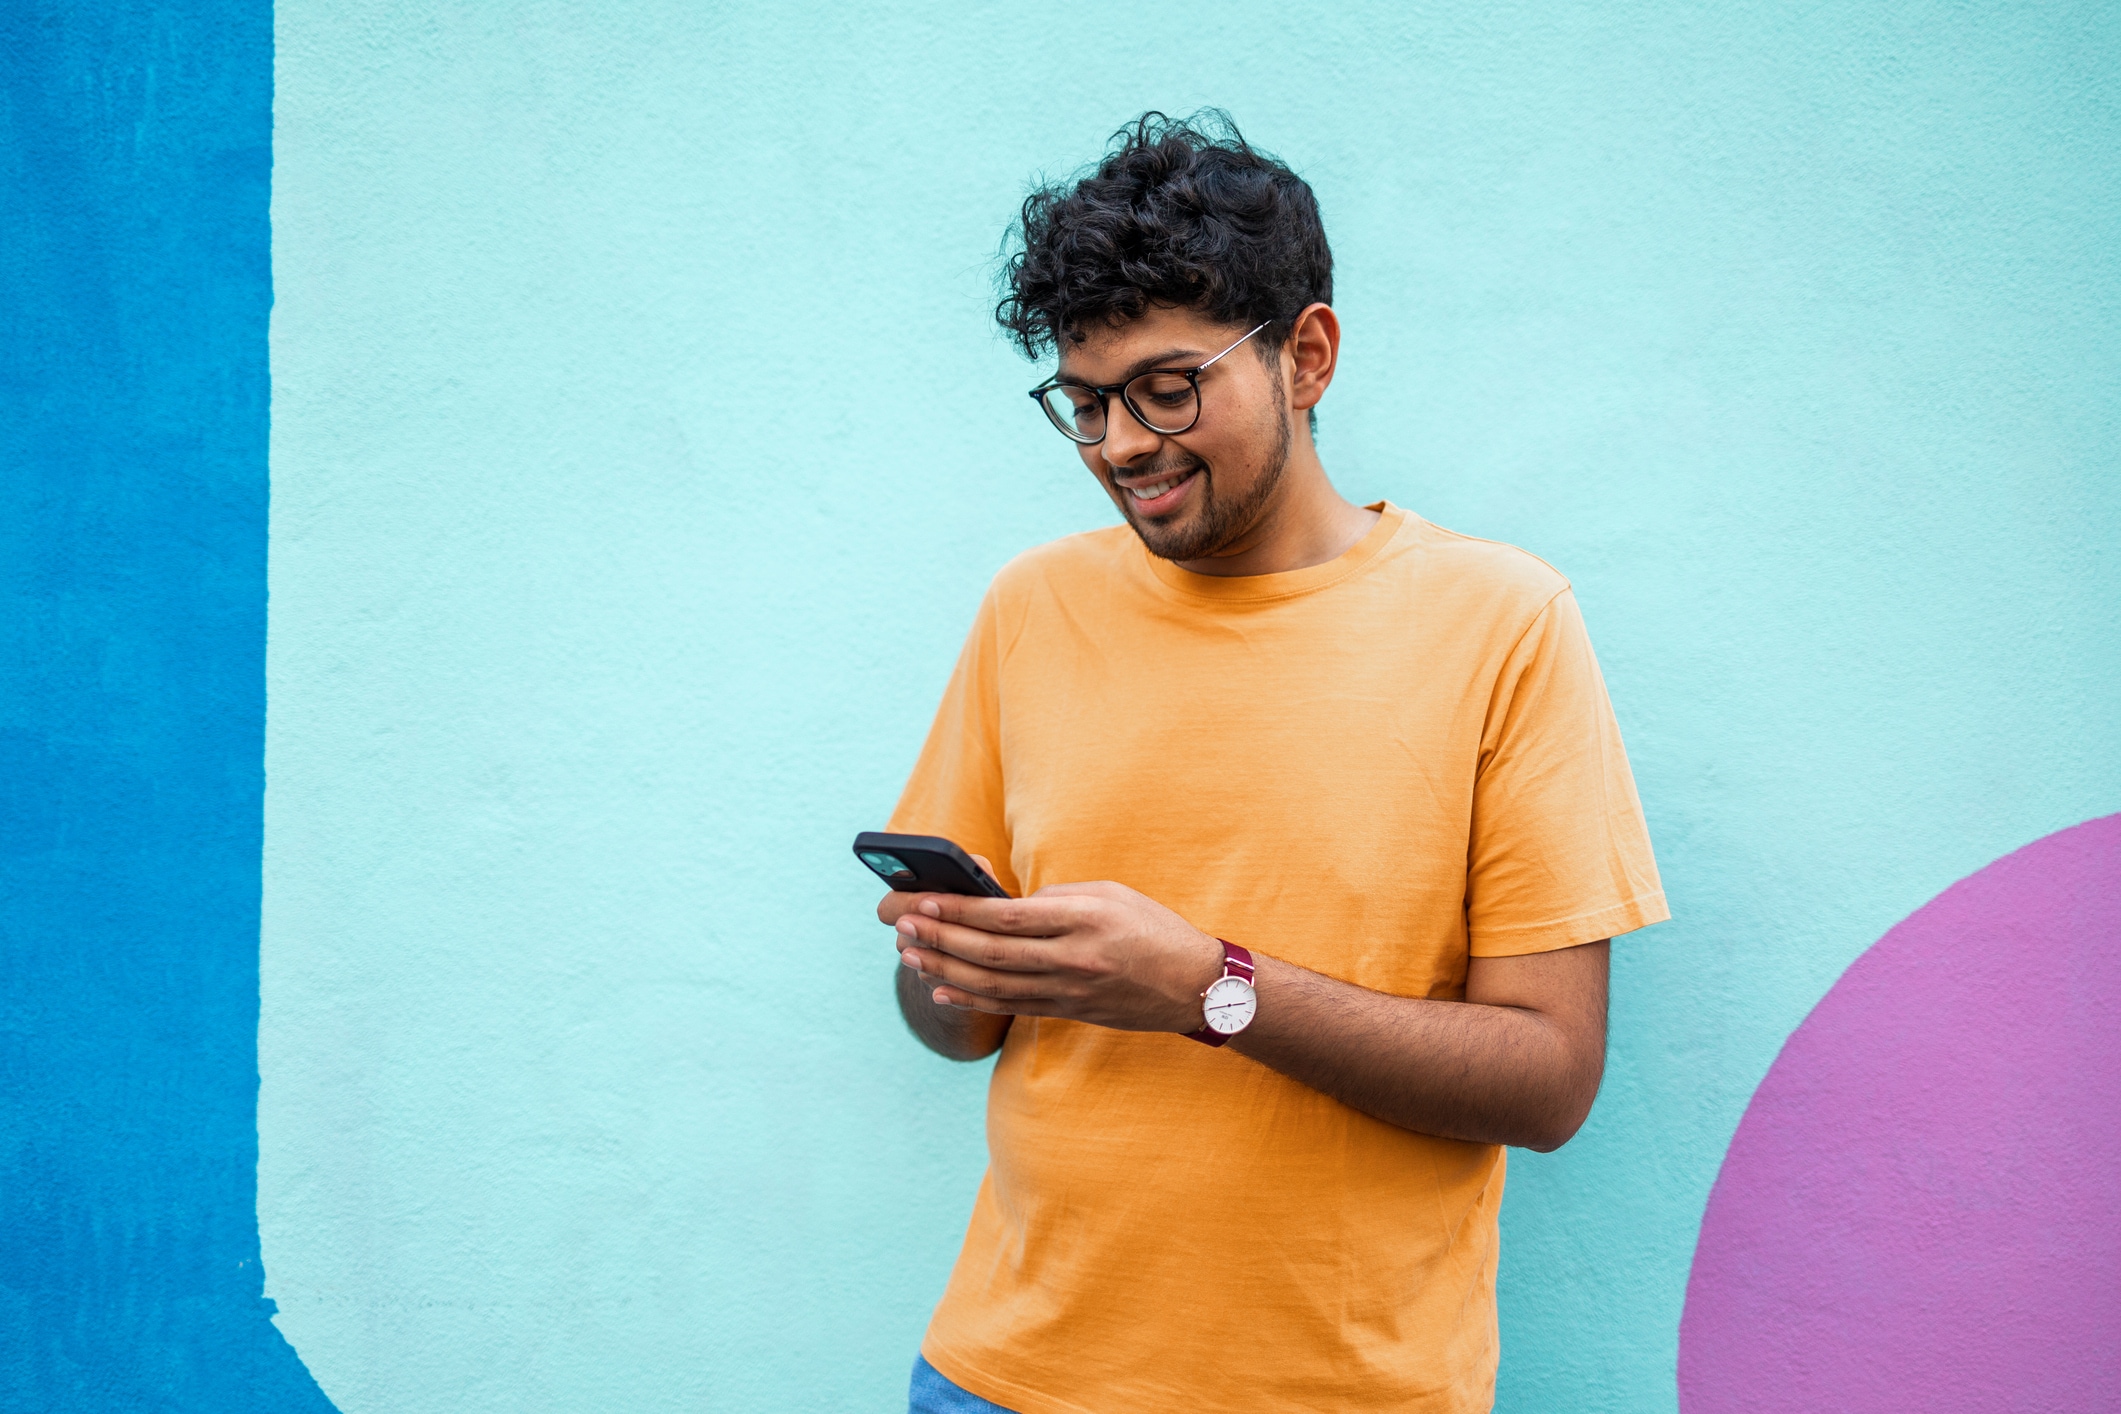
(1159, 337)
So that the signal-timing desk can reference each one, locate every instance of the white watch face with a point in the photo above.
(1228, 1005)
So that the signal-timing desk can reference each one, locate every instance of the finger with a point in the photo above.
(963, 1000)
(896, 905)
(919, 960)
(1021, 917)
(916, 961)
(999, 951)
(958, 974)
(984, 862)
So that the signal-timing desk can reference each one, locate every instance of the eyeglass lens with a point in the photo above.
(1165, 402)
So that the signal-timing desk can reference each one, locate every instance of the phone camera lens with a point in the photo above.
(888, 865)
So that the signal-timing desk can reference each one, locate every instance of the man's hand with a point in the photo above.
(951, 1032)
(1100, 953)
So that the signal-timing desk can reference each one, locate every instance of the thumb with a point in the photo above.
(983, 862)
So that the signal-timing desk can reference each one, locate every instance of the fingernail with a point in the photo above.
(910, 960)
(937, 998)
(905, 925)
(931, 908)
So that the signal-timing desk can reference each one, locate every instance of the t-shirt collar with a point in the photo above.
(1252, 588)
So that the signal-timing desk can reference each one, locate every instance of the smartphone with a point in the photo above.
(924, 864)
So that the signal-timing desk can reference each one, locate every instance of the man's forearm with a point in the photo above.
(952, 1032)
(1491, 1074)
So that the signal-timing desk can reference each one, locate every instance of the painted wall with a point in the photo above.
(135, 158)
(639, 449)
(1918, 1209)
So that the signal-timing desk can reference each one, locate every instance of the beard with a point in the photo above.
(1220, 521)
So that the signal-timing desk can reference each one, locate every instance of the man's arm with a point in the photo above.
(1517, 1062)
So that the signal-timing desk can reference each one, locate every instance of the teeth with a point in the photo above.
(1150, 493)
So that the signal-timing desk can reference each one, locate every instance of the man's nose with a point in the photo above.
(1126, 440)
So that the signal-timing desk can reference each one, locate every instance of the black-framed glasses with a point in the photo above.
(1164, 400)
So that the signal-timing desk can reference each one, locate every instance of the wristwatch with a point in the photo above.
(1229, 1004)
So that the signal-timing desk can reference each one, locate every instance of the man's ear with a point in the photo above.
(1313, 348)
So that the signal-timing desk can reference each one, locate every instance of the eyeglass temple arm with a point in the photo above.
(1219, 357)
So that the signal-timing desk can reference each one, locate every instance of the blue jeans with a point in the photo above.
(933, 1394)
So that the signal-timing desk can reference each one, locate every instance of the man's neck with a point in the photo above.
(1307, 523)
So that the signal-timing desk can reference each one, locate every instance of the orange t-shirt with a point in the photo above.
(1373, 768)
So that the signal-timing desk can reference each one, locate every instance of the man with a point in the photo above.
(1374, 756)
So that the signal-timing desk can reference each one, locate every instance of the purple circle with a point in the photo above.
(1921, 1209)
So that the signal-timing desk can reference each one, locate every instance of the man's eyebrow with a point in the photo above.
(1168, 358)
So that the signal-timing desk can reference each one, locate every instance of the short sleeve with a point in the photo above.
(956, 787)
(1559, 852)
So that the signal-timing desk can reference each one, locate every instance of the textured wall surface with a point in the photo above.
(639, 449)
(135, 152)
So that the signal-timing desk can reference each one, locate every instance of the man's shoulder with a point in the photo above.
(1492, 571)
(1091, 555)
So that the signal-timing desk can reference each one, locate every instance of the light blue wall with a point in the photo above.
(641, 447)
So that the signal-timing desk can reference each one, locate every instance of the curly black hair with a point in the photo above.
(1180, 212)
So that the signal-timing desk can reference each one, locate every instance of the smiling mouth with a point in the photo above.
(1162, 494)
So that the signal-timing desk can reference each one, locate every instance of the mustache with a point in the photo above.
(1172, 463)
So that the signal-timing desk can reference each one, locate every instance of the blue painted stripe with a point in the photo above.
(135, 283)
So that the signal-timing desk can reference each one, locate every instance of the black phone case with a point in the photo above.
(933, 865)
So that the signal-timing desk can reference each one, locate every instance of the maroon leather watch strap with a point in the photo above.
(1237, 962)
